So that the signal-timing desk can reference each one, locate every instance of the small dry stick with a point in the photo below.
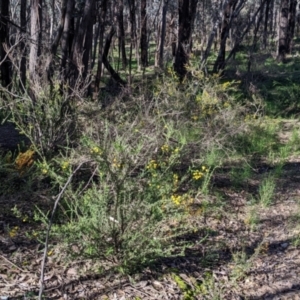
(10, 262)
(49, 228)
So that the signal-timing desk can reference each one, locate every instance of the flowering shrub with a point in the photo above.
(24, 161)
(149, 162)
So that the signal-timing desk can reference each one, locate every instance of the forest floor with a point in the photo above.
(250, 251)
(242, 248)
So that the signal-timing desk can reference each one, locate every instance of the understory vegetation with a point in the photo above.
(138, 174)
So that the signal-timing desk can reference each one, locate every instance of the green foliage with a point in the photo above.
(286, 95)
(196, 289)
(266, 191)
(149, 160)
(242, 264)
(17, 172)
(252, 218)
(260, 139)
(189, 291)
(46, 115)
(279, 86)
(239, 175)
(146, 167)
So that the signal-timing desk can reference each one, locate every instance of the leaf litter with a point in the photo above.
(234, 261)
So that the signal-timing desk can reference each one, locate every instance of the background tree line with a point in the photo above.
(74, 40)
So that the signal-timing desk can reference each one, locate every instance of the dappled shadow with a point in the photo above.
(214, 246)
(276, 84)
(275, 272)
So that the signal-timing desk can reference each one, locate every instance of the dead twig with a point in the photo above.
(11, 263)
(49, 228)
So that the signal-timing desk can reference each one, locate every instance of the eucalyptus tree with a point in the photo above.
(217, 16)
(82, 42)
(133, 35)
(283, 30)
(144, 35)
(23, 50)
(121, 32)
(35, 37)
(102, 19)
(291, 25)
(67, 38)
(267, 18)
(228, 14)
(4, 37)
(159, 57)
(186, 16)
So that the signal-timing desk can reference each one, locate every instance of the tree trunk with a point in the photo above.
(211, 38)
(291, 26)
(283, 30)
(144, 37)
(121, 33)
(186, 13)
(173, 35)
(115, 76)
(67, 37)
(243, 34)
(55, 43)
(273, 19)
(100, 47)
(134, 39)
(226, 24)
(23, 45)
(35, 35)
(60, 29)
(266, 21)
(80, 66)
(88, 44)
(162, 34)
(5, 63)
(257, 25)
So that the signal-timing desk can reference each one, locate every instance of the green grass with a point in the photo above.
(266, 191)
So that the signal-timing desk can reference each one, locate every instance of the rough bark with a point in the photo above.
(144, 38)
(283, 30)
(60, 29)
(225, 27)
(4, 32)
(211, 38)
(160, 60)
(121, 33)
(55, 43)
(23, 45)
(134, 39)
(100, 47)
(291, 25)
(247, 29)
(80, 66)
(266, 21)
(186, 13)
(88, 44)
(67, 37)
(115, 76)
(35, 35)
